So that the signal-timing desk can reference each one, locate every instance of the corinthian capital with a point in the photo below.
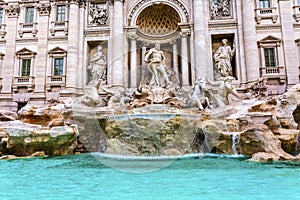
(44, 9)
(12, 10)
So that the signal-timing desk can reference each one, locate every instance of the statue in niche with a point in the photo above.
(223, 57)
(220, 9)
(97, 66)
(160, 74)
(98, 14)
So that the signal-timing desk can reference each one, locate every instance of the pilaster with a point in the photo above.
(9, 61)
(201, 38)
(41, 58)
(118, 45)
(289, 45)
(73, 46)
(250, 41)
(133, 57)
(185, 33)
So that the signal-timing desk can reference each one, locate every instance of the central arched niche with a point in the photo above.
(157, 20)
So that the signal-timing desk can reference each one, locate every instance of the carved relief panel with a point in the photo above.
(98, 13)
(220, 9)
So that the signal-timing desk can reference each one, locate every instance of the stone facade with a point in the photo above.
(46, 46)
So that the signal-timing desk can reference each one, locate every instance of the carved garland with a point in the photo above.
(139, 5)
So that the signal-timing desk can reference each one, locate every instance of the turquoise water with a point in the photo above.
(84, 177)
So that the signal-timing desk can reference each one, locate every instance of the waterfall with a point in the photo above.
(236, 143)
(204, 146)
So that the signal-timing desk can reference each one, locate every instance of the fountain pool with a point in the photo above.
(207, 177)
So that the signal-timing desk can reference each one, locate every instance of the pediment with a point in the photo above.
(25, 51)
(270, 39)
(57, 50)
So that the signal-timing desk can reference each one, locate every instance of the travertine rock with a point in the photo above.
(264, 157)
(25, 139)
(7, 115)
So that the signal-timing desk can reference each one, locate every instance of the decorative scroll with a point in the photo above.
(220, 9)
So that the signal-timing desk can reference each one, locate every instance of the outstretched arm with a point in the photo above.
(107, 90)
(213, 83)
(147, 55)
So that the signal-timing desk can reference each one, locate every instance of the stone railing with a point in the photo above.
(274, 72)
(23, 82)
(266, 13)
(55, 81)
(58, 26)
(28, 28)
(2, 30)
(296, 14)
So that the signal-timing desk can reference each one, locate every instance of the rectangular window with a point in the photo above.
(25, 71)
(58, 66)
(298, 3)
(1, 15)
(29, 14)
(264, 3)
(60, 13)
(270, 57)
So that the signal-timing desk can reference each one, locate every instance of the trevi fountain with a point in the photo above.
(160, 118)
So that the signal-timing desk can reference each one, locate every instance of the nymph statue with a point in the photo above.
(223, 57)
(97, 66)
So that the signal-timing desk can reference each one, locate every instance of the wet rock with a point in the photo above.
(261, 139)
(25, 139)
(288, 138)
(170, 152)
(39, 153)
(8, 157)
(118, 147)
(264, 157)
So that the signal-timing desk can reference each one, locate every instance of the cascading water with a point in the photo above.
(236, 143)
(205, 146)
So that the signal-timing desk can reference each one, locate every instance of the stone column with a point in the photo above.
(118, 45)
(175, 58)
(41, 58)
(133, 64)
(250, 41)
(185, 32)
(12, 12)
(289, 45)
(73, 47)
(81, 74)
(192, 53)
(201, 38)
